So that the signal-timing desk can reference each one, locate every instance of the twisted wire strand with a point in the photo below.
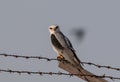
(51, 59)
(55, 73)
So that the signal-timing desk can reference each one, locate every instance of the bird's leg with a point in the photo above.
(60, 57)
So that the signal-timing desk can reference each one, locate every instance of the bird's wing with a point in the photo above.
(69, 45)
(66, 41)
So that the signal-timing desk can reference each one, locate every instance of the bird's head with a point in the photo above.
(54, 28)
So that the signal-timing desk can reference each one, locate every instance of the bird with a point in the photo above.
(62, 45)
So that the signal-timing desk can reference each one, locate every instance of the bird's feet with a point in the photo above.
(60, 57)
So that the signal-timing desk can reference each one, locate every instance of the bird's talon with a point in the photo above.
(60, 57)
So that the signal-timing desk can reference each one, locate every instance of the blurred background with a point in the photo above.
(92, 26)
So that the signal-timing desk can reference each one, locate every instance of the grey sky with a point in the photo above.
(24, 31)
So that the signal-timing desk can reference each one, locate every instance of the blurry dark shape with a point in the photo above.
(79, 33)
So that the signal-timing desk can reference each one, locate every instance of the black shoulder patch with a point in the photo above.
(55, 42)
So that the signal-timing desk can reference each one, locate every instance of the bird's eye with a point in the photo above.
(50, 28)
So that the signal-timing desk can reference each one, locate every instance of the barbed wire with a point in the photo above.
(102, 66)
(55, 73)
(50, 59)
(28, 57)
